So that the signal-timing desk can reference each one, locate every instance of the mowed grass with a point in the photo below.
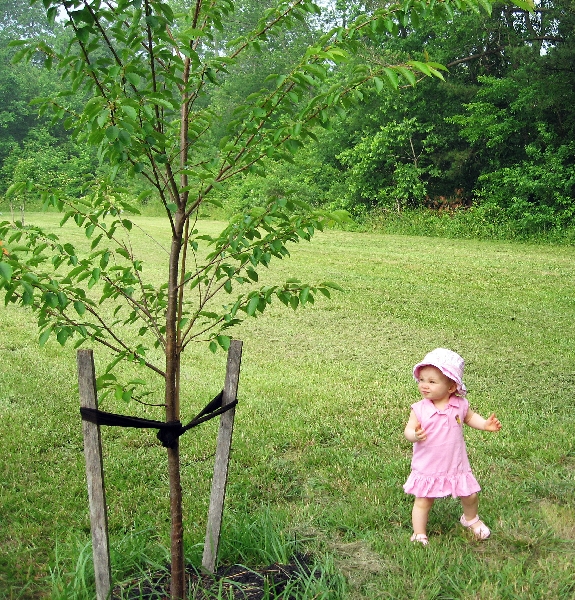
(318, 444)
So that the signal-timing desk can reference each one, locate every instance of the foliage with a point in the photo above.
(65, 166)
(519, 128)
(20, 84)
(536, 194)
(387, 169)
(528, 165)
(509, 82)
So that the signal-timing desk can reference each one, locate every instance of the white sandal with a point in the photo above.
(481, 533)
(419, 537)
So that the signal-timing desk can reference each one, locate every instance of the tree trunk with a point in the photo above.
(178, 584)
(178, 579)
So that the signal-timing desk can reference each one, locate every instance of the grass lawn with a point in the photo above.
(318, 446)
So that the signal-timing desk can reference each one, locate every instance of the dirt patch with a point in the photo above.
(358, 563)
(235, 581)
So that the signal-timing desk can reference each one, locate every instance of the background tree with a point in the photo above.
(508, 150)
(520, 127)
(19, 85)
(141, 87)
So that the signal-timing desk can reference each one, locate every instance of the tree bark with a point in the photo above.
(178, 574)
(178, 584)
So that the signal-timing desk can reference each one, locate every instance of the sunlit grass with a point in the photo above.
(324, 395)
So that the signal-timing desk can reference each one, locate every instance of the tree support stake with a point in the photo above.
(222, 458)
(95, 476)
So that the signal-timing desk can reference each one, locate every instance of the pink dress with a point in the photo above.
(440, 466)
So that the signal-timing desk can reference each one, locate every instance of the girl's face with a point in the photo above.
(434, 385)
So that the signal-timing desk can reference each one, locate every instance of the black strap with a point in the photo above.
(168, 432)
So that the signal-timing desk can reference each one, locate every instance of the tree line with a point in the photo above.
(496, 132)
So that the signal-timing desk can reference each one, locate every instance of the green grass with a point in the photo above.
(318, 444)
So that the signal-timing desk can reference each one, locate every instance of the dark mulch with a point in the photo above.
(242, 582)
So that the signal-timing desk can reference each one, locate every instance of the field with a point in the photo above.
(318, 452)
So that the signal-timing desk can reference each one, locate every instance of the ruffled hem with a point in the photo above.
(440, 486)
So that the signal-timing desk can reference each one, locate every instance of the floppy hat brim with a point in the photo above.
(461, 389)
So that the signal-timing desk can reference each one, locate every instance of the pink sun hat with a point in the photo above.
(448, 362)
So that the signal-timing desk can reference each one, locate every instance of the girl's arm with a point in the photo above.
(413, 431)
(476, 421)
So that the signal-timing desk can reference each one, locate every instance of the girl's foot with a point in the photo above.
(478, 527)
(419, 537)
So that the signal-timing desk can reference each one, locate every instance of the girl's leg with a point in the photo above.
(470, 505)
(420, 513)
(471, 519)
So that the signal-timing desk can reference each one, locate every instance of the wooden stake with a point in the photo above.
(222, 458)
(95, 477)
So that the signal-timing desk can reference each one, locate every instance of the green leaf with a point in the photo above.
(94, 278)
(407, 74)
(528, 5)
(62, 336)
(6, 271)
(15, 188)
(133, 78)
(28, 294)
(436, 73)
(112, 132)
(316, 70)
(96, 241)
(83, 34)
(252, 306)
(392, 77)
(51, 300)
(284, 297)
(488, 8)
(130, 111)
(332, 285)
(80, 307)
(422, 67)
(252, 274)
(44, 337)
(224, 341)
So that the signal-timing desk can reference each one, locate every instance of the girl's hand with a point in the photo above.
(492, 423)
(420, 434)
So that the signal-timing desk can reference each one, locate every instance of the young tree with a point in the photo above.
(148, 75)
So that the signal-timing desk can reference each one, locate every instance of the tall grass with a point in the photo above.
(480, 222)
(318, 445)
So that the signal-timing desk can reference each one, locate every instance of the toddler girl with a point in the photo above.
(440, 466)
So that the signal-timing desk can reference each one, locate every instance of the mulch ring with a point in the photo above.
(236, 581)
